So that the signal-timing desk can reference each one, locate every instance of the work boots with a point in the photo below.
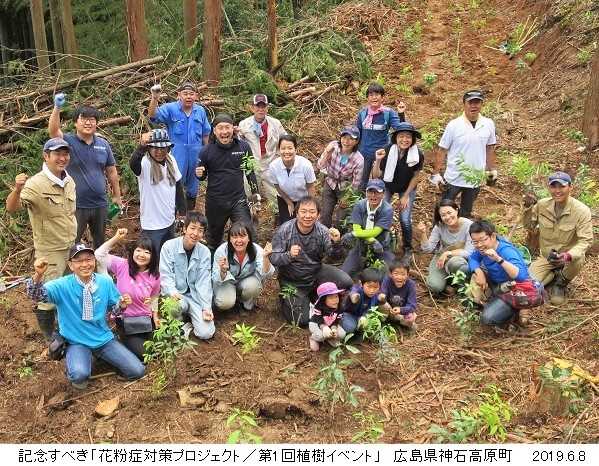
(558, 289)
(45, 320)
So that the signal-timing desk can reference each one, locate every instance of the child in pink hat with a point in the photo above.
(325, 317)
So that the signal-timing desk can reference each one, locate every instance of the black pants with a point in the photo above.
(368, 163)
(468, 197)
(284, 210)
(296, 308)
(218, 212)
(96, 219)
(134, 343)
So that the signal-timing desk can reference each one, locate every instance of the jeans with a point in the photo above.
(218, 212)
(349, 322)
(79, 361)
(96, 219)
(368, 163)
(296, 308)
(203, 329)
(405, 217)
(159, 237)
(496, 312)
(467, 198)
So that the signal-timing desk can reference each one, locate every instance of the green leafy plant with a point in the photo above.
(332, 384)
(431, 133)
(467, 317)
(530, 57)
(245, 335)
(429, 78)
(412, 36)
(522, 34)
(486, 421)
(159, 382)
(587, 187)
(288, 291)
(351, 196)
(372, 428)
(584, 55)
(474, 176)
(244, 423)
(575, 135)
(25, 371)
(374, 328)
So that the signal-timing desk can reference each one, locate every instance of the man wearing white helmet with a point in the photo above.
(161, 190)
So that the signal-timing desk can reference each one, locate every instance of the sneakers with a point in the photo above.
(557, 290)
(187, 329)
(80, 385)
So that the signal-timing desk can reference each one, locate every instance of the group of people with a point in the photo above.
(335, 257)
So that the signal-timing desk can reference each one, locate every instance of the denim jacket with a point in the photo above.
(177, 275)
(239, 271)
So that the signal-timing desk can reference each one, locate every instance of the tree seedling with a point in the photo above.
(245, 335)
(372, 428)
(244, 423)
(468, 317)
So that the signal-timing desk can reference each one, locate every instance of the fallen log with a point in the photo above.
(294, 84)
(301, 92)
(304, 36)
(123, 120)
(89, 77)
(162, 75)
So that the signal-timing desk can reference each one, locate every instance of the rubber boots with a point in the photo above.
(45, 320)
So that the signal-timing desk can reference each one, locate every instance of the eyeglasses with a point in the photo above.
(480, 241)
(88, 119)
(86, 260)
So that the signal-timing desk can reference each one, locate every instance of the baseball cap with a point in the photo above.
(159, 138)
(560, 177)
(187, 86)
(351, 131)
(222, 118)
(376, 185)
(77, 248)
(473, 95)
(260, 99)
(56, 143)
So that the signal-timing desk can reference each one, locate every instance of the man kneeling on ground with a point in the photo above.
(565, 232)
(82, 300)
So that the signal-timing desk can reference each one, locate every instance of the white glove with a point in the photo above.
(492, 174)
(155, 89)
(437, 179)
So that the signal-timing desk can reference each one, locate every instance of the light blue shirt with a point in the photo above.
(239, 271)
(67, 294)
(190, 278)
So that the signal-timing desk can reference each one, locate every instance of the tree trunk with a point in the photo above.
(57, 46)
(213, 18)
(190, 21)
(590, 122)
(39, 34)
(68, 34)
(273, 46)
(136, 30)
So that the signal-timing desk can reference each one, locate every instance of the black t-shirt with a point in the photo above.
(225, 170)
(403, 174)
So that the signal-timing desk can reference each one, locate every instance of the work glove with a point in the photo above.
(529, 199)
(255, 198)
(60, 99)
(436, 179)
(155, 89)
(377, 247)
(559, 260)
(492, 174)
(347, 239)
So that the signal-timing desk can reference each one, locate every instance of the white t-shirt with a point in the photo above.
(156, 201)
(461, 139)
(293, 183)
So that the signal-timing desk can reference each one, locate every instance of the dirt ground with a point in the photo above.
(436, 372)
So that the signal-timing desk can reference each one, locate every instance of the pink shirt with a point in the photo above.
(143, 286)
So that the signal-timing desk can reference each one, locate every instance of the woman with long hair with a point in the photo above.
(138, 281)
(240, 268)
(449, 242)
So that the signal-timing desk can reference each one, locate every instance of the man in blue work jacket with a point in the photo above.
(188, 127)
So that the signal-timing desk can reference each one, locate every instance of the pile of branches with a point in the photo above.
(305, 93)
(27, 107)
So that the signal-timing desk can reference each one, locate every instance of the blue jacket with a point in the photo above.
(494, 271)
(190, 278)
(376, 136)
